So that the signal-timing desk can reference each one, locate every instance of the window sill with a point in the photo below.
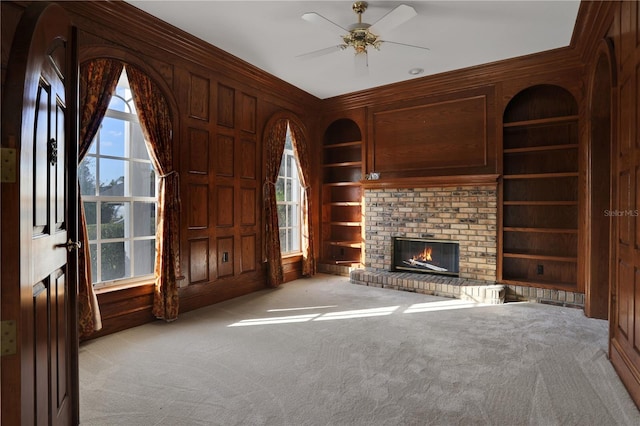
(125, 286)
(291, 258)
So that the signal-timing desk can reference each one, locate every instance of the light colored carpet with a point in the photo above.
(322, 351)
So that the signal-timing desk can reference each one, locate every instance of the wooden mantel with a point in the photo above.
(431, 181)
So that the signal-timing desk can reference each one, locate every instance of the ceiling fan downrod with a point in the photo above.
(359, 36)
(359, 7)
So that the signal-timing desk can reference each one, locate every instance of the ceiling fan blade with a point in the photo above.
(323, 22)
(404, 44)
(362, 63)
(321, 52)
(395, 17)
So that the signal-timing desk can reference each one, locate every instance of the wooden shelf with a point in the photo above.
(341, 228)
(541, 175)
(540, 230)
(540, 148)
(540, 189)
(342, 184)
(431, 181)
(542, 121)
(540, 283)
(343, 145)
(345, 262)
(345, 164)
(352, 244)
(345, 204)
(540, 203)
(571, 259)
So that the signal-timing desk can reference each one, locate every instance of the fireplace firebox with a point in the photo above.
(426, 256)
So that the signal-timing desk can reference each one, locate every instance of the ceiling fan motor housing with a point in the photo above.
(360, 39)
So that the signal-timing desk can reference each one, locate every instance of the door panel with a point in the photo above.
(625, 327)
(41, 204)
(40, 302)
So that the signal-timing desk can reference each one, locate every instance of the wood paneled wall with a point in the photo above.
(220, 181)
(448, 134)
(219, 106)
(450, 124)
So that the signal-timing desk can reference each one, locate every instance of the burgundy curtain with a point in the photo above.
(98, 81)
(301, 150)
(274, 148)
(155, 120)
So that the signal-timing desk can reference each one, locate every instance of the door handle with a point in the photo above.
(71, 245)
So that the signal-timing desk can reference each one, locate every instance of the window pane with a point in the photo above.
(280, 189)
(117, 103)
(138, 146)
(290, 166)
(289, 239)
(111, 177)
(94, 262)
(282, 215)
(283, 166)
(144, 219)
(295, 238)
(114, 261)
(283, 241)
(112, 135)
(90, 217)
(292, 213)
(144, 255)
(143, 179)
(87, 176)
(287, 190)
(113, 220)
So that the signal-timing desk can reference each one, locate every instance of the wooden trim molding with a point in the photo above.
(125, 307)
(431, 181)
(561, 60)
(292, 267)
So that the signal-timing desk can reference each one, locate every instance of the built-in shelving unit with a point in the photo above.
(540, 189)
(342, 194)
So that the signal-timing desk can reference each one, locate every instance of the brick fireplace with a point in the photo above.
(466, 214)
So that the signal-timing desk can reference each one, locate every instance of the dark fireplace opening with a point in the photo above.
(428, 256)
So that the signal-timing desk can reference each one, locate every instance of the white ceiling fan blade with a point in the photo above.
(404, 44)
(321, 52)
(362, 63)
(397, 16)
(323, 22)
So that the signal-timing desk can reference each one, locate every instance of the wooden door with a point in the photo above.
(39, 380)
(625, 324)
(597, 243)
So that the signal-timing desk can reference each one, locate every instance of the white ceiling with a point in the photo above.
(459, 34)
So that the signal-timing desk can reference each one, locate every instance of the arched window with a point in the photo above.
(289, 193)
(118, 184)
(279, 165)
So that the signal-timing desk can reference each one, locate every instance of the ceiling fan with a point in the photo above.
(361, 35)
